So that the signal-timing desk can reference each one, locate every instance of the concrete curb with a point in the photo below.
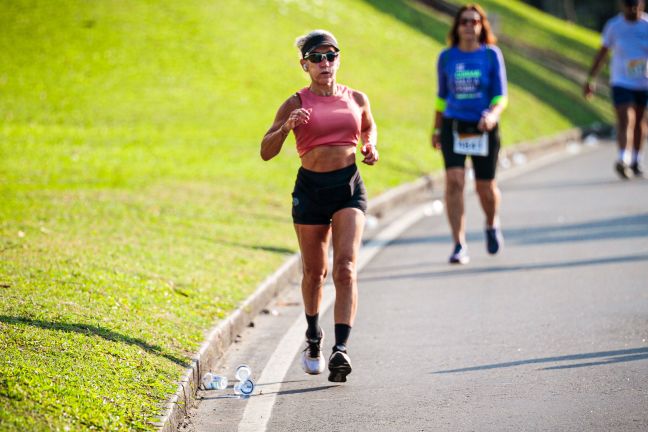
(224, 334)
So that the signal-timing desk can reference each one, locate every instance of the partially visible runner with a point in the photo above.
(626, 35)
(329, 198)
(472, 95)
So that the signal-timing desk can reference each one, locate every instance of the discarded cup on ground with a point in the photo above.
(244, 387)
(214, 382)
(243, 372)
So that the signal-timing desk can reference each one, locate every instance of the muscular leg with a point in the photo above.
(454, 196)
(348, 225)
(489, 197)
(313, 244)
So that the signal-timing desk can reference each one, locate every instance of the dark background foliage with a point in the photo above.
(588, 13)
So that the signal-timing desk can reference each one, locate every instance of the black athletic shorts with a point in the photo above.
(317, 196)
(484, 166)
(626, 96)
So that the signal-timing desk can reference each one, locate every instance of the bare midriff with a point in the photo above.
(329, 157)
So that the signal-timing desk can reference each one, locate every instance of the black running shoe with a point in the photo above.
(339, 366)
(636, 169)
(494, 240)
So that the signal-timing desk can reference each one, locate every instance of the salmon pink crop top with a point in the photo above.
(334, 120)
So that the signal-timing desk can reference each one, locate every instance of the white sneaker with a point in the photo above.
(312, 360)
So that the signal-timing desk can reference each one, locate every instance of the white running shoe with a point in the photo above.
(312, 360)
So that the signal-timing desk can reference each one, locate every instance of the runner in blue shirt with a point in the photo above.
(627, 36)
(471, 96)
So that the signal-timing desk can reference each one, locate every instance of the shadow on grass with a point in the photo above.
(532, 77)
(89, 329)
(608, 357)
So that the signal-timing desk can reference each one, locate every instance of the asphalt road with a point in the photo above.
(549, 335)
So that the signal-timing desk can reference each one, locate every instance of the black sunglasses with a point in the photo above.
(466, 21)
(318, 57)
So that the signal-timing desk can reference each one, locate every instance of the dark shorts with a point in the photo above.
(317, 196)
(484, 166)
(625, 96)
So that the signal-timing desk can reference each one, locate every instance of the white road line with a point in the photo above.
(259, 407)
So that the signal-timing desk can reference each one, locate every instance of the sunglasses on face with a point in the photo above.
(318, 57)
(466, 21)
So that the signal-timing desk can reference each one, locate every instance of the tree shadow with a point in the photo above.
(89, 329)
(278, 393)
(610, 357)
(553, 185)
(533, 77)
(634, 226)
(478, 271)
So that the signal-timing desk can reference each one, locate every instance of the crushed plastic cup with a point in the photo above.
(519, 159)
(212, 381)
(243, 372)
(244, 387)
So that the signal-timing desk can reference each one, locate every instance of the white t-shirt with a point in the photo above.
(628, 41)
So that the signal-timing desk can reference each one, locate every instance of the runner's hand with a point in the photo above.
(297, 117)
(588, 89)
(370, 154)
(436, 141)
(488, 121)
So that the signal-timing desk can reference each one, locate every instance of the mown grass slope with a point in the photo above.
(135, 211)
(529, 26)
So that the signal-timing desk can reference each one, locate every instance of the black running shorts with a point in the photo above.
(484, 166)
(317, 196)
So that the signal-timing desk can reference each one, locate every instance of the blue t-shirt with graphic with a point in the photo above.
(469, 80)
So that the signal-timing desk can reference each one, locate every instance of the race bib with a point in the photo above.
(471, 144)
(637, 68)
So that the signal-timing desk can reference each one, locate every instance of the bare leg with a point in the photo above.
(489, 197)
(313, 244)
(640, 127)
(625, 125)
(454, 196)
(348, 225)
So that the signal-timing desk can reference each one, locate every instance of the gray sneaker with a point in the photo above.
(312, 360)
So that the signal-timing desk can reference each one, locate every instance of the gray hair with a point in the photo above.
(301, 40)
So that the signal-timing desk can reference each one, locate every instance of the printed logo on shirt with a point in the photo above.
(467, 80)
(637, 68)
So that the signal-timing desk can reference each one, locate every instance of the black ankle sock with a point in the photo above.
(342, 332)
(313, 331)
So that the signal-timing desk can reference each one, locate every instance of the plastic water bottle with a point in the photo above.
(243, 372)
(214, 382)
(245, 387)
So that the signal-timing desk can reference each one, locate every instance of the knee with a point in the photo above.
(344, 272)
(486, 188)
(454, 185)
(314, 276)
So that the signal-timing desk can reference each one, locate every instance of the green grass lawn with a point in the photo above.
(135, 211)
